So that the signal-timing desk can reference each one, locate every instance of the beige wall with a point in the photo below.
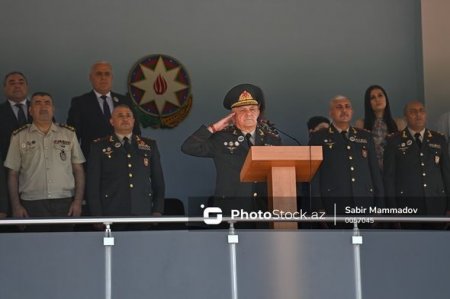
(436, 56)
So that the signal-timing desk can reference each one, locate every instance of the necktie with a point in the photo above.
(106, 111)
(21, 118)
(419, 142)
(344, 134)
(248, 137)
(126, 144)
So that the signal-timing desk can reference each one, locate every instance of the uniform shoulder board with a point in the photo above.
(100, 139)
(20, 129)
(393, 134)
(360, 129)
(268, 129)
(436, 133)
(145, 139)
(390, 134)
(229, 128)
(67, 127)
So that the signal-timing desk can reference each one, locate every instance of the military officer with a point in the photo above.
(349, 176)
(46, 176)
(417, 166)
(124, 172)
(228, 141)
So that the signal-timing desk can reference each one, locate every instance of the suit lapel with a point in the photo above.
(10, 114)
(115, 99)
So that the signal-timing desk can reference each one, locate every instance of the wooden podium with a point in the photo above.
(282, 167)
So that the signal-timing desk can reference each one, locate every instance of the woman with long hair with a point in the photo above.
(378, 119)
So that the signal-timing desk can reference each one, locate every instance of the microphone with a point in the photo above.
(272, 126)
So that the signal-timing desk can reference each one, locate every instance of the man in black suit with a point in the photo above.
(349, 175)
(89, 113)
(14, 111)
(417, 167)
(125, 176)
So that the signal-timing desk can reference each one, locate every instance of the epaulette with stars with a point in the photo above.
(100, 139)
(144, 139)
(67, 127)
(20, 129)
(270, 130)
(361, 129)
(436, 133)
(229, 128)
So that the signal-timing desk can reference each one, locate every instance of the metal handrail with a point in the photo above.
(174, 219)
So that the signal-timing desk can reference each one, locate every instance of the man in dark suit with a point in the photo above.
(349, 175)
(4, 204)
(228, 141)
(124, 173)
(89, 113)
(417, 166)
(14, 111)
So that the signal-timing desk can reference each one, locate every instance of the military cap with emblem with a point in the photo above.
(242, 95)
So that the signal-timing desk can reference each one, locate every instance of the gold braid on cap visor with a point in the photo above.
(245, 99)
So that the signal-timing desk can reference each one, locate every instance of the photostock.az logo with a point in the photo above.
(212, 215)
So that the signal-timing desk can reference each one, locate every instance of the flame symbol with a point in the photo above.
(160, 85)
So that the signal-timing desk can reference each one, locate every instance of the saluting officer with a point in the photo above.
(124, 173)
(228, 141)
(417, 166)
(46, 176)
(349, 175)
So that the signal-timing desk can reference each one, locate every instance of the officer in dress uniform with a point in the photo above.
(228, 141)
(417, 166)
(124, 174)
(349, 175)
(46, 176)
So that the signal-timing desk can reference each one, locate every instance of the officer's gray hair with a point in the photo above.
(338, 98)
(100, 62)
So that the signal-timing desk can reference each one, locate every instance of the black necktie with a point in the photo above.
(248, 137)
(21, 118)
(419, 143)
(106, 111)
(344, 134)
(126, 144)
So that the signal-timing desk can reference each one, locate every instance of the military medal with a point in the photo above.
(145, 162)
(241, 138)
(63, 156)
(107, 151)
(364, 152)
(231, 146)
(352, 138)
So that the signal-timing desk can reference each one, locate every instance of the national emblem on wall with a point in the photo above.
(161, 89)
